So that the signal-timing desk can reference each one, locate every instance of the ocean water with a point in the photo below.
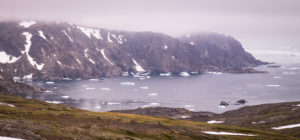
(202, 92)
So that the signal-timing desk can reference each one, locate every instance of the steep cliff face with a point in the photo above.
(41, 50)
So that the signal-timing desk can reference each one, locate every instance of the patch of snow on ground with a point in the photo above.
(185, 117)
(192, 43)
(277, 77)
(9, 138)
(214, 121)
(226, 133)
(68, 35)
(10, 105)
(27, 24)
(286, 126)
(41, 34)
(5, 58)
(55, 102)
(89, 88)
(27, 48)
(104, 56)
(137, 66)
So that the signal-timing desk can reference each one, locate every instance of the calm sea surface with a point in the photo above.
(202, 92)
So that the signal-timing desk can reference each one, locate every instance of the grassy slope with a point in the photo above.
(32, 119)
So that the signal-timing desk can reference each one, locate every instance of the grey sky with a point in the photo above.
(256, 23)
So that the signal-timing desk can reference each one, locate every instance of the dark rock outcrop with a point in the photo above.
(8, 86)
(57, 50)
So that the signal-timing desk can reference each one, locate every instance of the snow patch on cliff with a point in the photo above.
(108, 38)
(67, 35)
(41, 34)
(138, 67)
(89, 32)
(104, 56)
(27, 48)
(5, 58)
(27, 24)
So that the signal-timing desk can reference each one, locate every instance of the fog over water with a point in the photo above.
(258, 24)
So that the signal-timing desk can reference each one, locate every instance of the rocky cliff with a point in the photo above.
(41, 50)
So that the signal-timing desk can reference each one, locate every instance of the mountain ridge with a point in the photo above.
(52, 51)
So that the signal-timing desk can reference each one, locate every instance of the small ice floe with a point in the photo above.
(277, 77)
(65, 97)
(192, 43)
(78, 79)
(259, 122)
(286, 126)
(142, 78)
(5, 104)
(194, 72)
(55, 102)
(66, 78)
(185, 74)
(127, 84)
(148, 77)
(185, 116)
(97, 107)
(294, 68)
(105, 89)
(288, 73)
(89, 88)
(270, 85)
(113, 103)
(48, 91)
(151, 105)
(93, 79)
(226, 133)
(221, 106)
(165, 74)
(152, 94)
(215, 73)
(214, 121)
(145, 87)
(49, 82)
